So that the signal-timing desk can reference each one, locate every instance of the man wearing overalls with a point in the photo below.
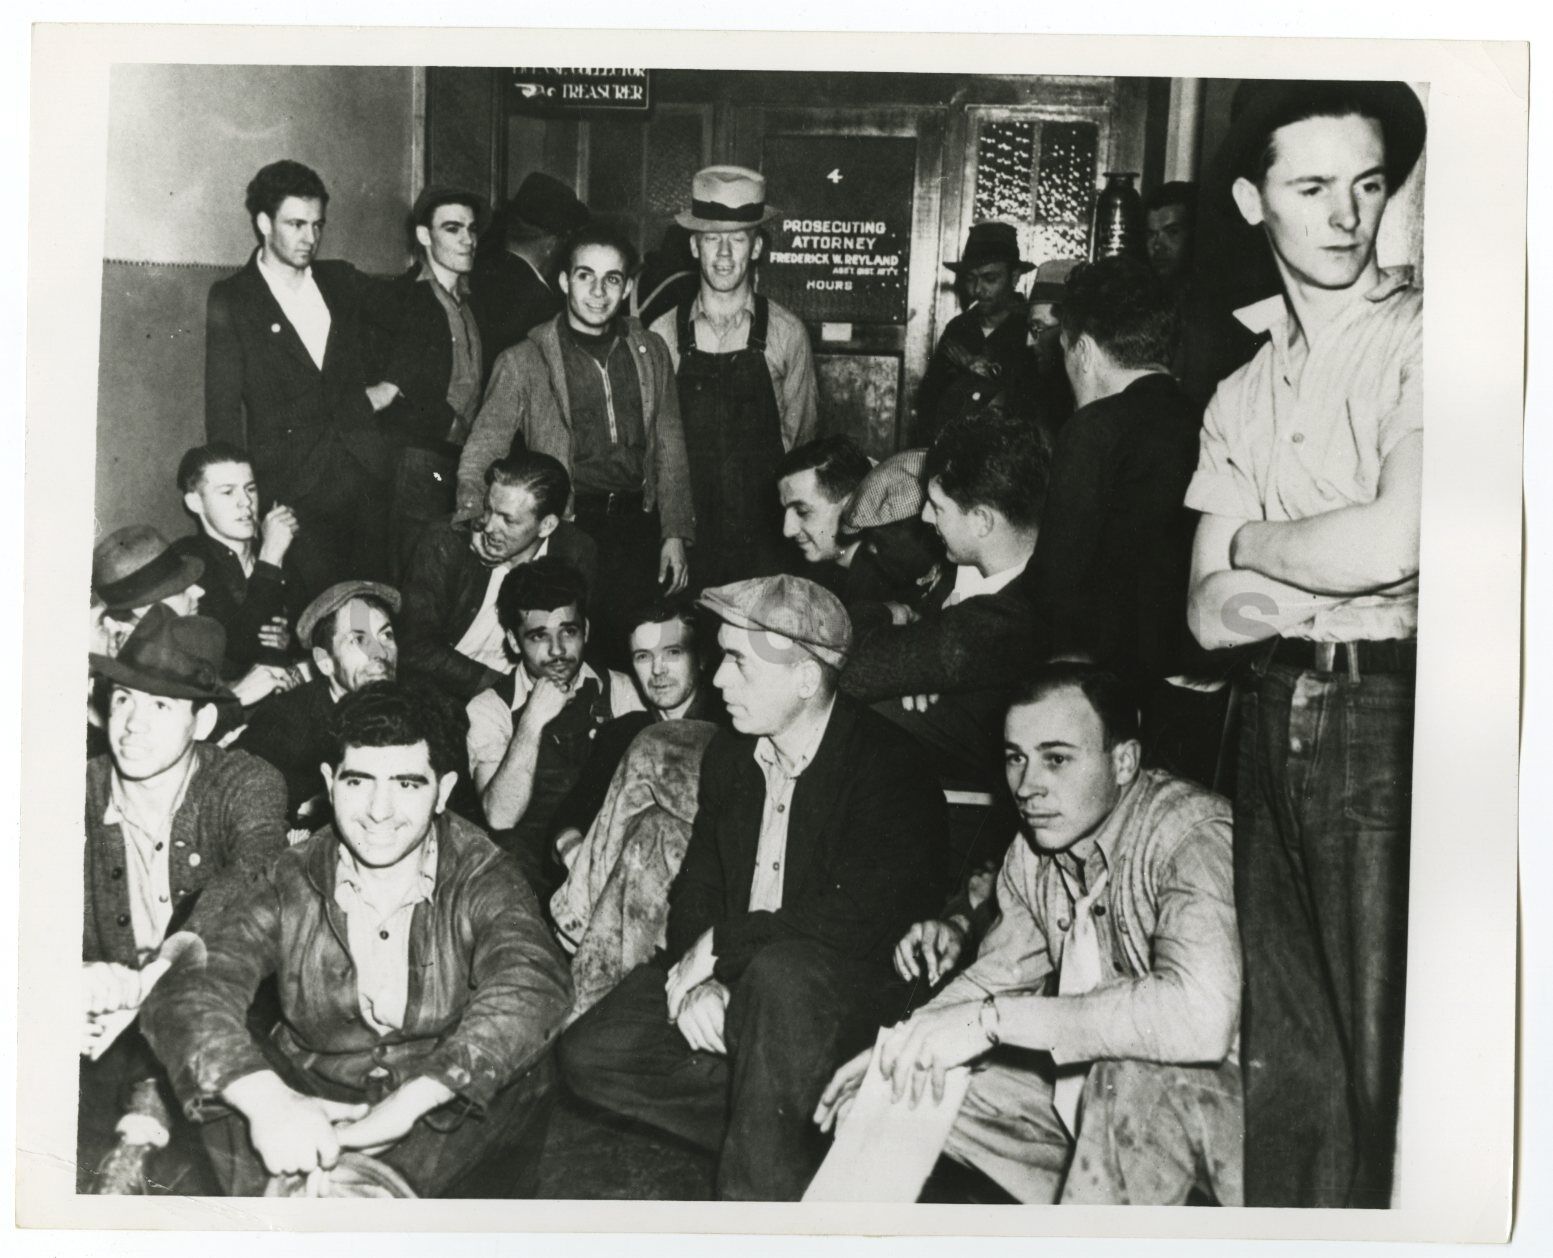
(746, 381)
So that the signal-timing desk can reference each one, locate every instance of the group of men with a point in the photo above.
(540, 699)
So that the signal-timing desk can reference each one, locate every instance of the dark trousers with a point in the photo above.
(796, 1013)
(422, 496)
(344, 527)
(446, 1153)
(962, 732)
(628, 542)
(1321, 880)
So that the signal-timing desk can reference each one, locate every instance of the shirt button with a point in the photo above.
(123, 919)
(162, 898)
(160, 846)
(781, 807)
(382, 934)
(116, 874)
(1099, 910)
(194, 859)
(1297, 438)
(1062, 923)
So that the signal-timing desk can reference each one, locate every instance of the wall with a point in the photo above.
(183, 142)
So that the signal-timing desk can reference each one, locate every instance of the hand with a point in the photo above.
(566, 844)
(274, 634)
(985, 367)
(918, 703)
(689, 972)
(260, 681)
(700, 1021)
(276, 533)
(900, 614)
(110, 987)
(673, 565)
(544, 704)
(390, 1120)
(931, 948)
(841, 1091)
(929, 1044)
(293, 1134)
(381, 394)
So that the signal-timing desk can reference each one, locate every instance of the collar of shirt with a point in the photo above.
(460, 290)
(1081, 876)
(525, 683)
(538, 274)
(743, 314)
(285, 276)
(769, 758)
(350, 886)
(119, 810)
(1273, 315)
(968, 581)
(507, 565)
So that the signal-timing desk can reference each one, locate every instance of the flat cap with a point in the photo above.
(335, 597)
(794, 607)
(891, 491)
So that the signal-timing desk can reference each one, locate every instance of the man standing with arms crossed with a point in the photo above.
(746, 380)
(1309, 485)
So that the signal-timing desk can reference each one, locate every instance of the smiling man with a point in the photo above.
(814, 843)
(432, 1074)
(1309, 481)
(451, 634)
(1101, 1010)
(815, 485)
(594, 390)
(530, 734)
(287, 378)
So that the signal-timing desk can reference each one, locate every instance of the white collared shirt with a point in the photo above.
(781, 776)
(969, 583)
(484, 641)
(302, 304)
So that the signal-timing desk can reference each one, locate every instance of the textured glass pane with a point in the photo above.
(614, 164)
(1047, 241)
(1065, 188)
(673, 157)
(1005, 155)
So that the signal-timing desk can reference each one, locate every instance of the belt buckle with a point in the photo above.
(1326, 657)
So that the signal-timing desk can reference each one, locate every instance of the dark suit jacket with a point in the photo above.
(242, 603)
(230, 825)
(413, 347)
(264, 392)
(865, 845)
(291, 732)
(443, 591)
(509, 300)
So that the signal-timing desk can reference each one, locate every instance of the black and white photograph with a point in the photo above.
(734, 631)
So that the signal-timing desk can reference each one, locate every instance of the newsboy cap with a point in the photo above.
(891, 491)
(134, 566)
(335, 597)
(794, 607)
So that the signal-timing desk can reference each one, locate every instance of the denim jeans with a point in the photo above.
(1322, 822)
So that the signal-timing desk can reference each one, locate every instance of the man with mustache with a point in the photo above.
(1102, 1007)
(530, 734)
(594, 389)
(452, 636)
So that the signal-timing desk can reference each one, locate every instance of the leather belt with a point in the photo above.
(1399, 655)
(609, 504)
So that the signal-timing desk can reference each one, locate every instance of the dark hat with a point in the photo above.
(891, 491)
(444, 194)
(726, 198)
(1051, 279)
(794, 607)
(991, 242)
(548, 204)
(1261, 106)
(335, 597)
(134, 566)
(172, 655)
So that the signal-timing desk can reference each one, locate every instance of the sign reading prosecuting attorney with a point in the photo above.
(553, 88)
(840, 249)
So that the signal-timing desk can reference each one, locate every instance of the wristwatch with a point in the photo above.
(987, 1019)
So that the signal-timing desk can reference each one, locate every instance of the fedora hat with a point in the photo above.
(991, 242)
(134, 566)
(726, 198)
(548, 204)
(1260, 106)
(172, 655)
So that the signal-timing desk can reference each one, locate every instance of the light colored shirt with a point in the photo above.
(302, 304)
(485, 641)
(492, 720)
(1304, 427)
(1164, 923)
(781, 776)
(968, 581)
(147, 860)
(787, 354)
(378, 935)
(463, 395)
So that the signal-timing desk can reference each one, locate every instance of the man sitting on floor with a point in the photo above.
(166, 815)
(419, 988)
(814, 848)
(451, 634)
(529, 736)
(350, 629)
(1103, 1005)
(815, 484)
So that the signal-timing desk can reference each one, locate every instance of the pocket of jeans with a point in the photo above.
(1377, 727)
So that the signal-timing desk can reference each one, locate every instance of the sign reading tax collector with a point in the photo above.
(553, 88)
